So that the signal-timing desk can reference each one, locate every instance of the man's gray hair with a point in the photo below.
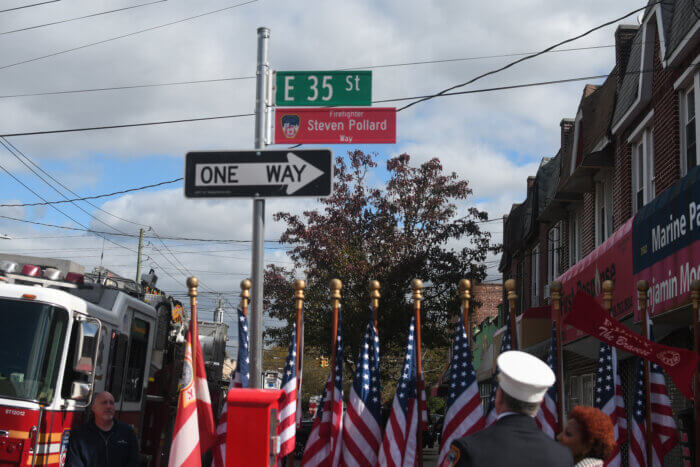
(515, 405)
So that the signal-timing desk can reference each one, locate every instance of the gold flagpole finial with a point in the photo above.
(510, 287)
(246, 284)
(417, 287)
(374, 294)
(555, 294)
(695, 292)
(465, 286)
(336, 285)
(642, 289)
(192, 284)
(299, 286)
(608, 287)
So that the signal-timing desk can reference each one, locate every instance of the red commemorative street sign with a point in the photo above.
(362, 125)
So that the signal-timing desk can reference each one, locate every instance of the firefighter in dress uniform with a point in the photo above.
(514, 439)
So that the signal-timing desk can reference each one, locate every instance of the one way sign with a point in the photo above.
(259, 174)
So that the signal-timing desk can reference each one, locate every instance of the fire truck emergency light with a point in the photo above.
(75, 278)
(8, 267)
(31, 270)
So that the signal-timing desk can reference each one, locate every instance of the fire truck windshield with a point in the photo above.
(31, 347)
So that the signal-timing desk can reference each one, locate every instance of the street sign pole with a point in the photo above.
(255, 316)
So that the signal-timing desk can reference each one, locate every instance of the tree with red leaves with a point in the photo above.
(415, 226)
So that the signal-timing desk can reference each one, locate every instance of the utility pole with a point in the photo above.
(255, 317)
(138, 259)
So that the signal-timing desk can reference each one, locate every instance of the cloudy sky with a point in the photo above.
(493, 139)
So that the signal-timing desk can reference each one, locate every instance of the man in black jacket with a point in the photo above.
(514, 439)
(103, 441)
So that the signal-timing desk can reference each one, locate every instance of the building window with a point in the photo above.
(574, 239)
(535, 278)
(553, 246)
(689, 154)
(603, 208)
(643, 179)
(580, 389)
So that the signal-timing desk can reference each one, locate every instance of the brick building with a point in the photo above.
(489, 297)
(596, 210)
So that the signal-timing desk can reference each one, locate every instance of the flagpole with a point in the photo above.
(642, 289)
(336, 285)
(299, 286)
(512, 297)
(555, 293)
(695, 294)
(374, 296)
(417, 286)
(192, 283)
(464, 287)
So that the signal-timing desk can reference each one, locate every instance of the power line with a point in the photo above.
(98, 232)
(152, 28)
(128, 125)
(16, 151)
(80, 17)
(128, 190)
(29, 6)
(134, 86)
(396, 99)
(528, 57)
(54, 207)
(239, 78)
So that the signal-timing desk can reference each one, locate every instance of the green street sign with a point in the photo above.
(323, 88)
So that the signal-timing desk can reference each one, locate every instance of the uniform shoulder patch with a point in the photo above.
(454, 455)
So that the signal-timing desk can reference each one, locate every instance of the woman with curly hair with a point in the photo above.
(590, 435)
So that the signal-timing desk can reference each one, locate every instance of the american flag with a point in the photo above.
(547, 417)
(323, 448)
(362, 431)
(609, 398)
(506, 345)
(665, 432)
(239, 379)
(464, 414)
(193, 434)
(286, 429)
(400, 437)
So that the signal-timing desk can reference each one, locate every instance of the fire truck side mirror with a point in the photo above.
(80, 391)
(86, 341)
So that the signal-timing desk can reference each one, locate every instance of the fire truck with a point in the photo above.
(66, 336)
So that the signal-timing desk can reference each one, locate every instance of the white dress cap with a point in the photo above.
(523, 376)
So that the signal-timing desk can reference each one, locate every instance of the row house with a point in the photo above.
(620, 200)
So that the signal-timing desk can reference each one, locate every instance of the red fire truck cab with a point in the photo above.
(64, 338)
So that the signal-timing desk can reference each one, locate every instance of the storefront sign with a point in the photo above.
(612, 260)
(364, 125)
(667, 244)
(591, 318)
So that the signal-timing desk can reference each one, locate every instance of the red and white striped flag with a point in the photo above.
(286, 429)
(610, 399)
(362, 426)
(464, 414)
(547, 418)
(324, 446)
(665, 432)
(399, 446)
(239, 379)
(194, 432)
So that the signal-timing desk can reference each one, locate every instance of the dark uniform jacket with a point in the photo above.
(514, 440)
(91, 447)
